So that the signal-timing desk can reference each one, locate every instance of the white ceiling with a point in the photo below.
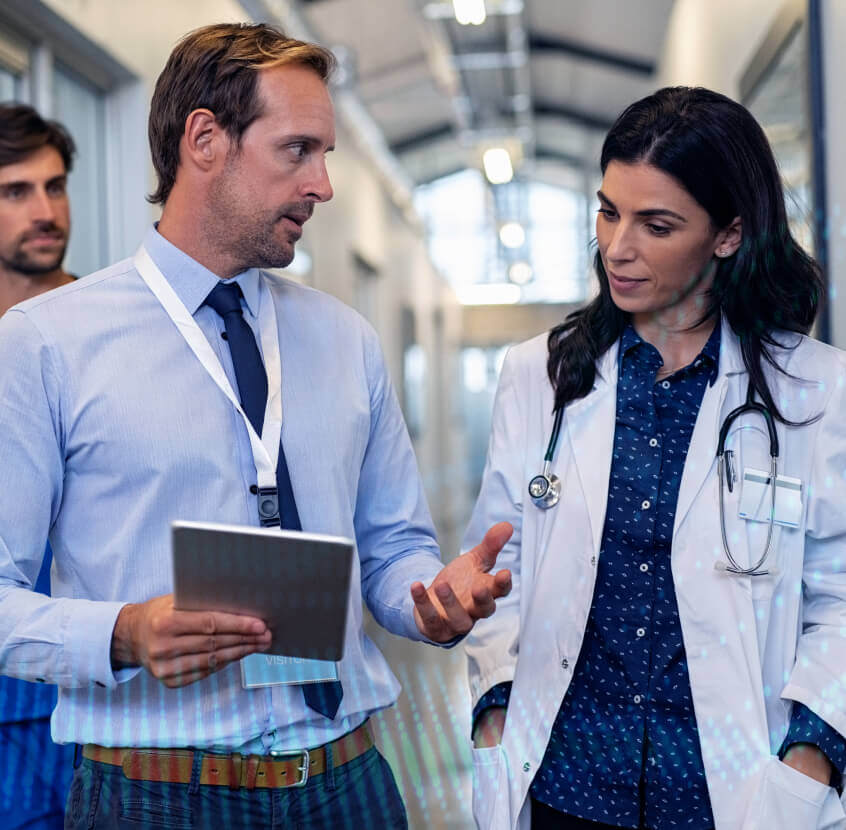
(438, 90)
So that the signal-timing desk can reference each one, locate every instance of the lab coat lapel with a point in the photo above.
(590, 430)
(717, 402)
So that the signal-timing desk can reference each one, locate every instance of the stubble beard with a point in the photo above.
(25, 264)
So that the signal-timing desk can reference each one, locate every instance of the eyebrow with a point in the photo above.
(29, 183)
(645, 213)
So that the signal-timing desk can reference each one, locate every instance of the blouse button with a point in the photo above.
(665, 384)
(646, 504)
(637, 698)
(653, 442)
(641, 632)
(644, 567)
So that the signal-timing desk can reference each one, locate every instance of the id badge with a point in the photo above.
(756, 499)
(274, 670)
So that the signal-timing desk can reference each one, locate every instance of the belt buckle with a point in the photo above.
(303, 770)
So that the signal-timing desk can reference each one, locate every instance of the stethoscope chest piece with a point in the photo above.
(545, 490)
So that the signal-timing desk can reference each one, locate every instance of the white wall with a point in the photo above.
(710, 42)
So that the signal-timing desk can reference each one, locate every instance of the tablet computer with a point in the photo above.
(298, 583)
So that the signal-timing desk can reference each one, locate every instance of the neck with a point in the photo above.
(16, 287)
(188, 230)
(677, 343)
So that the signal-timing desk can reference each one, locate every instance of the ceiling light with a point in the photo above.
(512, 235)
(497, 165)
(470, 12)
(520, 273)
(488, 293)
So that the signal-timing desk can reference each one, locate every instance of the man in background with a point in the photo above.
(35, 159)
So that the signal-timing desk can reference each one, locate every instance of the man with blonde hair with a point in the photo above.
(122, 376)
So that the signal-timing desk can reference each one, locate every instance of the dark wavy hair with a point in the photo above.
(23, 132)
(718, 152)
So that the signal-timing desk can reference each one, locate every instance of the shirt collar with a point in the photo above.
(191, 281)
(710, 354)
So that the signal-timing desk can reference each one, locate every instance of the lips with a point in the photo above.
(624, 283)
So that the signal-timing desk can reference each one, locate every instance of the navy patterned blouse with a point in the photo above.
(624, 748)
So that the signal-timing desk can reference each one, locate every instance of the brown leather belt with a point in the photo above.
(290, 769)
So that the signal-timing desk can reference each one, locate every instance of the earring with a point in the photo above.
(722, 252)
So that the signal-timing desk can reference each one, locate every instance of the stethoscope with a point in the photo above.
(545, 488)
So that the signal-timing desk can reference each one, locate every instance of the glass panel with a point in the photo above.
(780, 104)
(81, 108)
(8, 85)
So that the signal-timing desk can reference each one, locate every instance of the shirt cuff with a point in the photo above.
(808, 728)
(88, 645)
(495, 696)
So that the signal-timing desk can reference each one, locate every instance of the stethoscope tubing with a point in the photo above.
(545, 488)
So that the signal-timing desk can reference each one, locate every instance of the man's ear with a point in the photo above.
(729, 239)
(204, 143)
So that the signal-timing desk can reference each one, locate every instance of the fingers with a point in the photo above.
(210, 623)
(501, 584)
(203, 644)
(458, 620)
(430, 622)
(186, 669)
(488, 549)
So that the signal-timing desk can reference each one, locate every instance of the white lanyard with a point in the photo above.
(265, 448)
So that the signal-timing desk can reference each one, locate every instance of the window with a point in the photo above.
(81, 108)
(47, 63)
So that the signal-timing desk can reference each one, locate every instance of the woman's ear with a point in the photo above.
(729, 239)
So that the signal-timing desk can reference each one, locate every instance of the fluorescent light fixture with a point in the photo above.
(469, 12)
(497, 164)
(512, 235)
(488, 293)
(520, 273)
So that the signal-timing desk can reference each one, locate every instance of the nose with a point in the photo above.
(318, 186)
(42, 207)
(621, 243)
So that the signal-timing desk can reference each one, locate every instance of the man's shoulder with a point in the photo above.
(83, 290)
(311, 304)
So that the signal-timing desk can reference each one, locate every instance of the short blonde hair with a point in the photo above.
(216, 68)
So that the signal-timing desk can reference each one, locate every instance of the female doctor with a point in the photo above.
(673, 653)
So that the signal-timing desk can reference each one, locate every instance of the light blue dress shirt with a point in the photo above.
(110, 429)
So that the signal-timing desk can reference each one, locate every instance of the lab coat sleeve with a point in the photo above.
(393, 527)
(65, 641)
(493, 644)
(818, 678)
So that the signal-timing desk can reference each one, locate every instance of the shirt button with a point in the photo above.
(253, 489)
(224, 335)
(653, 442)
(644, 567)
(645, 504)
(637, 698)
(640, 632)
(665, 384)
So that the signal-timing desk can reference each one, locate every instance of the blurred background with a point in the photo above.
(465, 179)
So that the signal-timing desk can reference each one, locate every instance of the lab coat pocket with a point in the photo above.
(487, 762)
(788, 800)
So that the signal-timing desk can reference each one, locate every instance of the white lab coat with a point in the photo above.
(753, 644)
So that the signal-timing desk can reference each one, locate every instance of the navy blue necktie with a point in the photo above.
(225, 299)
